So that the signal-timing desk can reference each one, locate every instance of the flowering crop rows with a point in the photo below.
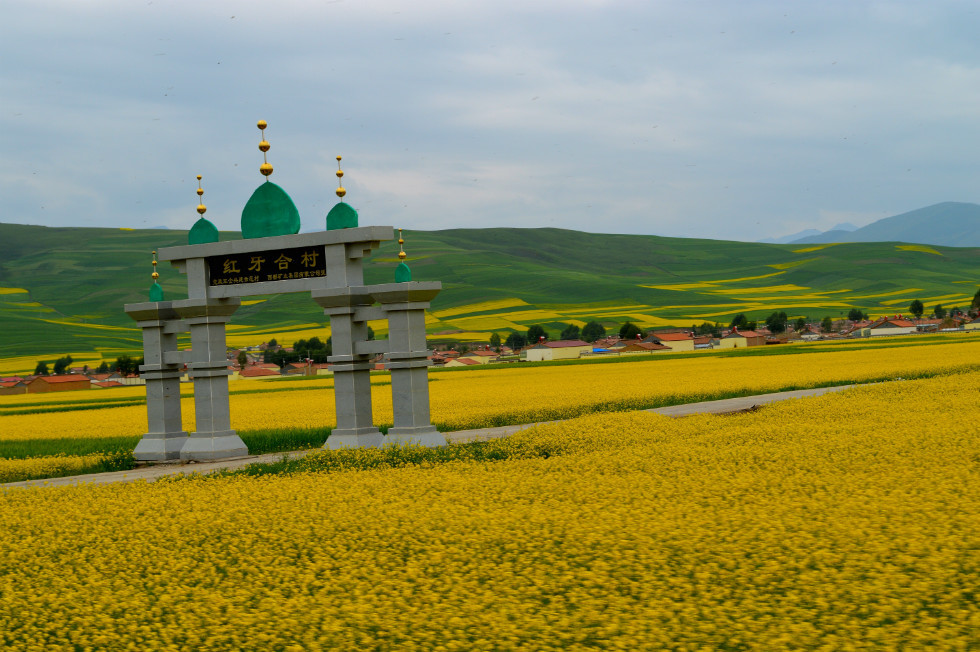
(487, 397)
(849, 521)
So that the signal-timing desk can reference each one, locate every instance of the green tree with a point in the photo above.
(916, 308)
(739, 321)
(800, 324)
(593, 331)
(827, 324)
(975, 304)
(571, 332)
(272, 344)
(855, 314)
(62, 364)
(41, 369)
(102, 368)
(535, 333)
(242, 359)
(939, 311)
(776, 322)
(495, 342)
(629, 331)
(516, 340)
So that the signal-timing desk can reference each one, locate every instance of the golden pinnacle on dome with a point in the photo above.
(401, 246)
(265, 168)
(201, 208)
(154, 274)
(340, 175)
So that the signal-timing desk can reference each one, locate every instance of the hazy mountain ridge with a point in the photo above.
(948, 224)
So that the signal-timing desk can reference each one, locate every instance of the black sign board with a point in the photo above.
(272, 265)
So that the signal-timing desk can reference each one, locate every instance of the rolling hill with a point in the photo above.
(62, 289)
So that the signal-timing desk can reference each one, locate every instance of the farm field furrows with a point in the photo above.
(470, 398)
(848, 521)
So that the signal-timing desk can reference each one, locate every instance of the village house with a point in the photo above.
(675, 341)
(636, 348)
(481, 356)
(892, 326)
(740, 339)
(560, 350)
(67, 383)
(10, 386)
(972, 325)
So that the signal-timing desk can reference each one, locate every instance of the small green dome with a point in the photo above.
(269, 211)
(156, 292)
(402, 273)
(341, 216)
(202, 231)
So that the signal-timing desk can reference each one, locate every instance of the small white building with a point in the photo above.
(560, 350)
(895, 326)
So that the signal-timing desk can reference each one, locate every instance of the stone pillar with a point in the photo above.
(351, 368)
(161, 370)
(404, 305)
(213, 438)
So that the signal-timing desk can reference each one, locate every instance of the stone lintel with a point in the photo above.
(409, 355)
(159, 372)
(176, 357)
(342, 300)
(409, 364)
(411, 292)
(368, 236)
(151, 311)
(198, 311)
(369, 313)
(370, 347)
(351, 366)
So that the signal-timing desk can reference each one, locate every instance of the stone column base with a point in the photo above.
(159, 448)
(426, 436)
(354, 438)
(213, 446)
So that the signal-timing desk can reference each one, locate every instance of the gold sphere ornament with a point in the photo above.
(340, 173)
(338, 157)
(201, 208)
(266, 169)
(155, 276)
(402, 255)
(264, 146)
(262, 124)
(200, 191)
(199, 177)
(341, 192)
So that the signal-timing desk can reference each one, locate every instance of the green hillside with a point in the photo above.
(62, 289)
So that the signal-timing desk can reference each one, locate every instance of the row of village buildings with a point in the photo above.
(653, 343)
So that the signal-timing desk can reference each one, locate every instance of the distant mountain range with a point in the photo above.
(949, 224)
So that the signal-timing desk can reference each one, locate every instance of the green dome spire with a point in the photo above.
(202, 231)
(156, 292)
(269, 211)
(341, 216)
(402, 273)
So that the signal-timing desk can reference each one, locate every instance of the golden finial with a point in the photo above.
(154, 274)
(401, 246)
(265, 168)
(340, 175)
(201, 208)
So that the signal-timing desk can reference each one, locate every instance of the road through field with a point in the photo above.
(153, 472)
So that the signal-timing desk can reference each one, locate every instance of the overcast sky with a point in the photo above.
(721, 119)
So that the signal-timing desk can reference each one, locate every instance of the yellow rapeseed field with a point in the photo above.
(846, 522)
(476, 398)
